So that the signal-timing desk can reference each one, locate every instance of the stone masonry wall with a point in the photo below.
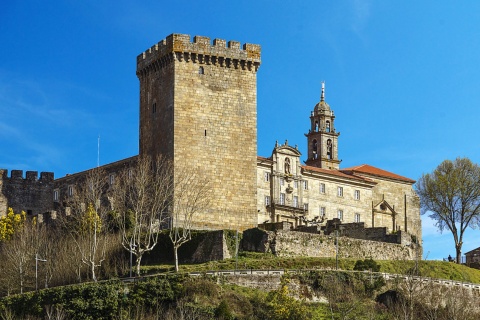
(296, 244)
(199, 108)
(31, 193)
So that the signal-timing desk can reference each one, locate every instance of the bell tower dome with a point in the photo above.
(322, 138)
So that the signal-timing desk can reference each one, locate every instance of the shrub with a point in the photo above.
(366, 265)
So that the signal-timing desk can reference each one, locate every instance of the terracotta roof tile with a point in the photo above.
(371, 170)
(337, 173)
(260, 158)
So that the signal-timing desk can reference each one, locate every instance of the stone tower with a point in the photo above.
(198, 107)
(322, 138)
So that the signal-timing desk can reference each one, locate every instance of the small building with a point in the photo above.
(473, 258)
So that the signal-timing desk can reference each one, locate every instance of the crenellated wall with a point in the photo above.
(200, 50)
(32, 194)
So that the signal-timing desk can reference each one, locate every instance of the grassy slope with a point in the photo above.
(433, 269)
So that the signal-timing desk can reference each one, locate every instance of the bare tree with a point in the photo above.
(18, 255)
(141, 197)
(87, 223)
(451, 196)
(191, 196)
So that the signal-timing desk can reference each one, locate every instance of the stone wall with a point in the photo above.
(32, 194)
(198, 106)
(297, 244)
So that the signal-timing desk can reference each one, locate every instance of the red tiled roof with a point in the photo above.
(260, 158)
(371, 170)
(337, 173)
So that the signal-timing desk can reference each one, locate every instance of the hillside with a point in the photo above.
(305, 295)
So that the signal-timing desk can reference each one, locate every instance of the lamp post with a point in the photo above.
(36, 269)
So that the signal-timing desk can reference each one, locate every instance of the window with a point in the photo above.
(329, 149)
(282, 198)
(154, 107)
(305, 206)
(266, 176)
(340, 191)
(322, 187)
(111, 179)
(323, 212)
(327, 126)
(357, 217)
(267, 200)
(70, 191)
(282, 181)
(315, 149)
(295, 184)
(295, 201)
(305, 184)
(356, 195)
(55, 195)
(201, 70)
(340, 214)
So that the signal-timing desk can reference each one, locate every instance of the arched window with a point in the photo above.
(316, 126)
(287, 165)
(201, 70)
(329, 149)
(315, 149)
(327, 126)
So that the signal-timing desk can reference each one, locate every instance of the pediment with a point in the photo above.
(384, 207)
(287, 150)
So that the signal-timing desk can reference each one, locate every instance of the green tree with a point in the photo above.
(451, 196)
(10, 223)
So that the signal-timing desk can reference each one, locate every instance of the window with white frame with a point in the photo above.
(295, 201)
(340, 191)
(266, 176)
(111, 179)
(340, 214)
(305, 206)
(356, 218)
(55, 195)
(305, 184)
(70, 191)
(322, 187)
(356, 195)
(323, 212)
(282, 198)
(282, 181)
(267, 200)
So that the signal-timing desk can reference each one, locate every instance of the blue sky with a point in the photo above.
(401, 76)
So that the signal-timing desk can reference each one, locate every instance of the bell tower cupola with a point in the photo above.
(322, 138)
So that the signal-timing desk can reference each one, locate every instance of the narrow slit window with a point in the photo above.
(201, 70)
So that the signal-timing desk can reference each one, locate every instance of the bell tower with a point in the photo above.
(322, 138)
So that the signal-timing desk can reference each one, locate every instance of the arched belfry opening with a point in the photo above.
(322, 136)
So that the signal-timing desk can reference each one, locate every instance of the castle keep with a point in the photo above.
(198, 107)
(198, 101)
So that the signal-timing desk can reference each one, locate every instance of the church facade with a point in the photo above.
(198, 109)
(319, 190)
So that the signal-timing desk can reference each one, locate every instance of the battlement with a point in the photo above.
(180, 47)
(30, 175)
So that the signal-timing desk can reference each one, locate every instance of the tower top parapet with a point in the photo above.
(200, 49)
